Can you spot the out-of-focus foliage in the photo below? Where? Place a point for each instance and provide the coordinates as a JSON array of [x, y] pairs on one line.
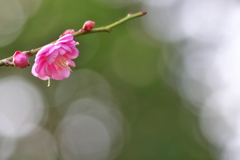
[[117, 103]]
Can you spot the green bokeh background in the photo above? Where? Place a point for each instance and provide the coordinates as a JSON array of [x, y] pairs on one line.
[[160, 126]]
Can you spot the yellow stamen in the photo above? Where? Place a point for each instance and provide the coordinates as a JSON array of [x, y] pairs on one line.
[[49, 82]]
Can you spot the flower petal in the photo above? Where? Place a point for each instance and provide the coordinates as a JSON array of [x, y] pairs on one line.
[[68, 49], [43, 51], [62, 51], [34, 69], [64, 72], [71, 63], [47, 70], [74, 53], [64, 39], [59, 73], [52, 57], [38, 71]]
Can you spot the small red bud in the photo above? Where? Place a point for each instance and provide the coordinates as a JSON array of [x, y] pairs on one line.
[[144, 13], [20, 59], [68, 31], [81, 31], [88, 25]]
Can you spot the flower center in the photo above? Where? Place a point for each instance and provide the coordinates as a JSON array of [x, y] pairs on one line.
[[61, 62]]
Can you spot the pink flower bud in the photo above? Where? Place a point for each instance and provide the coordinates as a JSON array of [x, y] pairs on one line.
[[68, 31], [20, 59], [88, 25]]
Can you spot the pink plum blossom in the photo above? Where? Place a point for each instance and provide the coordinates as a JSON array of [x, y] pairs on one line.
[[53, 60], [20, 59], [88, 25]]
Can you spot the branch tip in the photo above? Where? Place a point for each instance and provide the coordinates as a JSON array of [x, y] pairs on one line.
[[144, 13]]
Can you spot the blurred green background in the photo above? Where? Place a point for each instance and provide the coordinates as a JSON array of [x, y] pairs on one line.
[[131, 109]]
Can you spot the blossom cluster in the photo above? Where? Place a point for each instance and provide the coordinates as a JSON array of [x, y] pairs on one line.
[[53, 61]]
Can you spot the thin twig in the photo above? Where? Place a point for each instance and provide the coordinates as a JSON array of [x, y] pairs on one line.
[[8, 61]]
